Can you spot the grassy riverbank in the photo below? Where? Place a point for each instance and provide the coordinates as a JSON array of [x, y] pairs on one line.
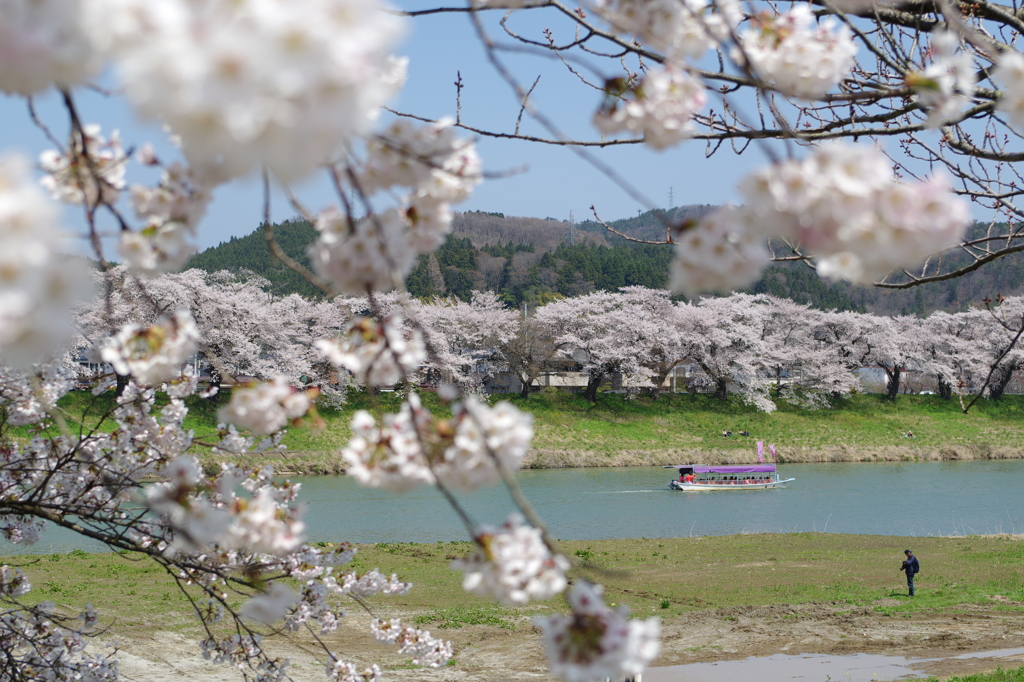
[[615, 431], [717, 597], [667, 577]]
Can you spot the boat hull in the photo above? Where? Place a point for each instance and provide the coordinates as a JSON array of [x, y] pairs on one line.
[[715, 487]]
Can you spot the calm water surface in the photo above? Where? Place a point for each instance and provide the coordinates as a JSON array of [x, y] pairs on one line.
[[913, 499], [910, 499]]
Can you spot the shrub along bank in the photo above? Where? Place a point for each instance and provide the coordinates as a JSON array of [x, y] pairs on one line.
[[617, 431]]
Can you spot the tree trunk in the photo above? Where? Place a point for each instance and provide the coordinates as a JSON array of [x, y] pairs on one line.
[[524, 392], [1000, 380], [659, 380], [122, 383], [894, 381], [593, 382], [945, 389], [722, 389]]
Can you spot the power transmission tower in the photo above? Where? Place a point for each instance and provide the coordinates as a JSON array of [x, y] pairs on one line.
[[570, 236], [671, 199]]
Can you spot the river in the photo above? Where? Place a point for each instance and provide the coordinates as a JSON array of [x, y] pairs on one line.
[[911, 499]]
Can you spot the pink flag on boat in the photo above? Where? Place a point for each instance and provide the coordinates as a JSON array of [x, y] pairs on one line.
[[760, 451], [772, 448]]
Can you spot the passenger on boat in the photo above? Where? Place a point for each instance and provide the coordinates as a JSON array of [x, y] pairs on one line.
[[689, 478]]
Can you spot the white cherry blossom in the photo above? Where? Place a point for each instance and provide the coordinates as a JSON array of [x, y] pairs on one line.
[[349, 672], [412, 447], [44, 44], [717, 254], [155, 354], [171, 211], [842, 206], [946, 86], [38, 285], [265, 407], [90, 172], [660, 107], [271, 605], [513, 565], [387, 455], [795, 55], [678, 28], [487, 440], [281, 83], [1009, 73], [375, 254], [372, 583], [596, 642], [429, 158], [376, 354]]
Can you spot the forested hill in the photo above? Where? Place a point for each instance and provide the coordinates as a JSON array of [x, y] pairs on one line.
[[531, 260]]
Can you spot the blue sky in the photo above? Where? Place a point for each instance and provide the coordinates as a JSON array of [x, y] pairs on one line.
[[542, 181]]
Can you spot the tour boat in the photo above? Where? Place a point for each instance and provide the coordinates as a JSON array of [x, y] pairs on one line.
[[731, 477]]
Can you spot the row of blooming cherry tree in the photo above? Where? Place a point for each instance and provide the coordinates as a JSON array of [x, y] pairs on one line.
[[289, 89], [765, 347], [762, 347]]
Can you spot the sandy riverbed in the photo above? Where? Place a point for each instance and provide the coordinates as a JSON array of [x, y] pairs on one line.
[[491, 653]]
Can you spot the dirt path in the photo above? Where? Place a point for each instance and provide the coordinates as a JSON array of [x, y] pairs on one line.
[[490, 653]]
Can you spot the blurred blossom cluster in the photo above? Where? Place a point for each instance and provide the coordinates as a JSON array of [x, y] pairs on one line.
[[171, 211], [376, 354], [92, 171], [513, 565], [38, 285], [679, 29], [946, 86], [413, 447], [841, 205], [796, 54], [45, 45], [425, 650], [1009, 72], [275, 83], [597, 642], [152, 355], [265, 407], [660, 107], [375, 253]]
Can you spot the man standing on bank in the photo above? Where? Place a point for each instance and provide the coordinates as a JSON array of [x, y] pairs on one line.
[[912, 568]]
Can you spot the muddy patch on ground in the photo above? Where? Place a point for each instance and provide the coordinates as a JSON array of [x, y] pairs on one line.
[[492, 653]]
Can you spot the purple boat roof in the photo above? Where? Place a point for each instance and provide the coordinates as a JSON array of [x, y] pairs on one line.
[[726, 469]]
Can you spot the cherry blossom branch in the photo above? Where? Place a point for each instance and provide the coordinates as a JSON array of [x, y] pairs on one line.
[[279, 254]]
